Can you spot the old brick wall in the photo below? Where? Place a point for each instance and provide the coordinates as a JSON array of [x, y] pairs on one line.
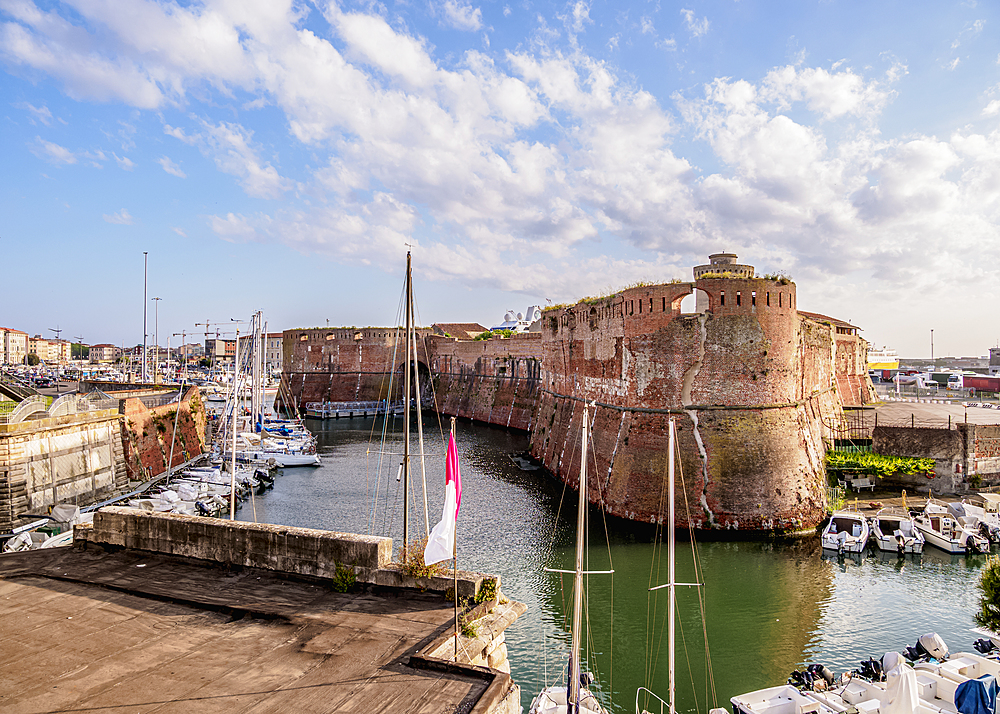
[[983, 447], [148, 433], [494, 380], [751, 443], [340, 364]]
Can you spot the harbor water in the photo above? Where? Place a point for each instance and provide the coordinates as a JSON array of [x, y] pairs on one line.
[[770, 607]]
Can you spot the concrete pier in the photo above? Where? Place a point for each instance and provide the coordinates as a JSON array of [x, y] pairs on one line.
[[179, 614]]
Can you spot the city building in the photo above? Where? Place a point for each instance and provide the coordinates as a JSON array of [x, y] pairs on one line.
[[273, 351], [104, 353], [15, 345], [220, 350]]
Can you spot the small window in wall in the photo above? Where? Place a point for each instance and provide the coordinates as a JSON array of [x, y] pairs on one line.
[[303, 337], [738, 298], [650, 304], [329, 336], [780, 300], [753, 298], [664, 304], [640, 307], [722, 297], [767, 299]]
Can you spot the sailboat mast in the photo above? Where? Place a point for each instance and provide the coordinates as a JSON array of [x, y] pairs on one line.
[[406, 414], [420, 430], [671, 565], [573, 686], [236, 397]]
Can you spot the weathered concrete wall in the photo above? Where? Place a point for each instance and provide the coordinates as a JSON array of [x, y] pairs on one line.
[[75, 458], [983, 449], [945, 446], [302, 551], [149, 431]]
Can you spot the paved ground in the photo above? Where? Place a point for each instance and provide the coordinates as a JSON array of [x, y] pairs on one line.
[[900, 412], [131, 632]]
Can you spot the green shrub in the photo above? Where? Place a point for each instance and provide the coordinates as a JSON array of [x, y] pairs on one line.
[[989, 601], [413, 564], [877, 464], [343, 579], [487, 591]]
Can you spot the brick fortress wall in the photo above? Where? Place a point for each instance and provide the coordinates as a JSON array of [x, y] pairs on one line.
[[753, 385]]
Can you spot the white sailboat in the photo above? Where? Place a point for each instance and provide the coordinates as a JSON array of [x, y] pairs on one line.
[[669, 706], [574, 698]]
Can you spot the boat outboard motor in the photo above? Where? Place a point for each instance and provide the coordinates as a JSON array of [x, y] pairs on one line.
[[929, 646], [820, 671], [871, 669], [986, 648], [202, 508]]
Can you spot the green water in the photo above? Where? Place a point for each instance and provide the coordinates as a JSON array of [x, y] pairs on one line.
[[770, 607]]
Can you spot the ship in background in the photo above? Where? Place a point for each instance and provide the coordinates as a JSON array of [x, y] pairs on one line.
[[882, 358]]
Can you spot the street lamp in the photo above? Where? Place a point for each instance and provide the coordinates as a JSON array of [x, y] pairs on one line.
[[156, 338], [145, 263]]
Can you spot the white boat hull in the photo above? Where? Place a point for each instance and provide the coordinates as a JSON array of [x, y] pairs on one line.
[[847, 532]]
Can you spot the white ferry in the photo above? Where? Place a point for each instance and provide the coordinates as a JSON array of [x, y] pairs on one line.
[[883, 358]]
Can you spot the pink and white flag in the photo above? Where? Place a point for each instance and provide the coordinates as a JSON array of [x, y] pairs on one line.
[[441, 543]]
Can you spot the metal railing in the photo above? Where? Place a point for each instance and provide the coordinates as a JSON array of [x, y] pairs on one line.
[[27, 407]]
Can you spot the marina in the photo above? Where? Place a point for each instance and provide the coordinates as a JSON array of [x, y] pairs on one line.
[[773, 605]]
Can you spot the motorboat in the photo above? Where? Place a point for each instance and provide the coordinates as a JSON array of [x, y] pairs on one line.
[[893, 530], [847, 532], [981, 516], [943, 531]]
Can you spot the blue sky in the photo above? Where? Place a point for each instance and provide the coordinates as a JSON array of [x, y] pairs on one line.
[[280, 156]]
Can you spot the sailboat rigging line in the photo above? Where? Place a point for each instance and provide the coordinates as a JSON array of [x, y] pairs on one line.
[[699, 576], [373, 514], [437, 411], [420, 421], [607, 541]]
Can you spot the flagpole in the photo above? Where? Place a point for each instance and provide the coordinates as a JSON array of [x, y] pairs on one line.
[[455, 554]]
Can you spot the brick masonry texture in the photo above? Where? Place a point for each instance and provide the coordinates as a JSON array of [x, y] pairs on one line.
[[752, 384]]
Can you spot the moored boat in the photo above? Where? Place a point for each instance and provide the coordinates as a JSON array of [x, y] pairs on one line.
[[847, 532], [943, 531], [893, 530]]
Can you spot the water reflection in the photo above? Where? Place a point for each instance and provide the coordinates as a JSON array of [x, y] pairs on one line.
[[771, 606]]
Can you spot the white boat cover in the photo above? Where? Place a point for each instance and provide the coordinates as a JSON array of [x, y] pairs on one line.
[[552, 700], [901, 695]]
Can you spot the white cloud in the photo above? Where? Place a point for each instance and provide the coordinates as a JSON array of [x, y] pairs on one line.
[[504, 164], [460, 15], [124, 162], [180, 232], [696, 27], [232, 228], [41, 114], [51, 152], [581, 16], [121, 218], [170, 167]]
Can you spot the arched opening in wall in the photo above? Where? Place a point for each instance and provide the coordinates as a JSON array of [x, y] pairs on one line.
[[695, 303], [426, 392]]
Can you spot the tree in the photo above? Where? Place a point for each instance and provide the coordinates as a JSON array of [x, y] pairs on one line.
[[989, 601], [33, 359]]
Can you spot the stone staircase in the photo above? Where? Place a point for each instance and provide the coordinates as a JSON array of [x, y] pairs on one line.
[[13, 388]]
